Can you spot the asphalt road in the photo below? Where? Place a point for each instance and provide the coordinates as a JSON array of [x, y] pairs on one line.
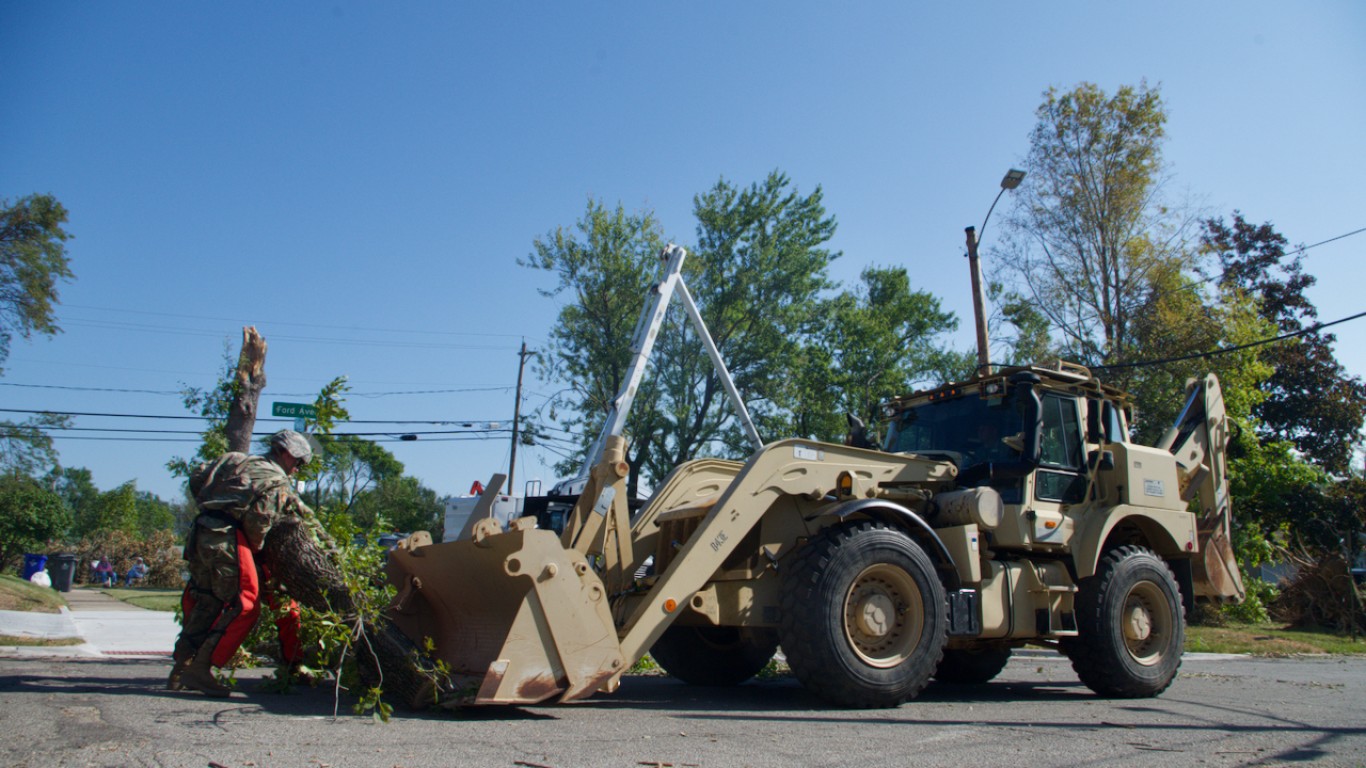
[[1220, 712]]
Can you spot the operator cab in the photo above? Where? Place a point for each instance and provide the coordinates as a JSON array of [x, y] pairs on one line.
[[1026, 432]]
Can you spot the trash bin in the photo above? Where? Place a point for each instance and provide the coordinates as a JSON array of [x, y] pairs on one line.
[[33, 564], [62, 569]]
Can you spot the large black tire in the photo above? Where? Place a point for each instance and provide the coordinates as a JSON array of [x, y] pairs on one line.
[[971, 666], [1130, 626], [715, 656], [864, 616]]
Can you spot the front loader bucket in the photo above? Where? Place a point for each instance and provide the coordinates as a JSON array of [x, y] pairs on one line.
[[517, 617]]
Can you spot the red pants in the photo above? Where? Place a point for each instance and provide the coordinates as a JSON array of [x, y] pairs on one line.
[[252, 589]]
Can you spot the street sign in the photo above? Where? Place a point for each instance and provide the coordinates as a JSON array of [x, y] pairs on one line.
[[294, 410]]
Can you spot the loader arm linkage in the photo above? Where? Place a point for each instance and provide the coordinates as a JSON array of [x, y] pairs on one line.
[[520, 616]]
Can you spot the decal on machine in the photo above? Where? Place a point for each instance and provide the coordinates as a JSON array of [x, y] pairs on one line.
[[808, 454], [605, 500], [1153, 488]]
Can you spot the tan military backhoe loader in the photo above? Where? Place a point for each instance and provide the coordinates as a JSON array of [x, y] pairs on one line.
[[1004, 510]]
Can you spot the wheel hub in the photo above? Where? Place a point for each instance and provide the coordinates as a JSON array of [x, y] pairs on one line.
[[883, 615], [1138, 625], [876, 615], [1147, 628]]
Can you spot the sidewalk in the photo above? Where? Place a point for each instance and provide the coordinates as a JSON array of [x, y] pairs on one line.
[[109, 627]]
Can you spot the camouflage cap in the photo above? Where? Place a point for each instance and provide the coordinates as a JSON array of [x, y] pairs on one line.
[[291, 442]]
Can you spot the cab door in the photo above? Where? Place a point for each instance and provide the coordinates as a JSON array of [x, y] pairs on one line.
[[1060, 481]]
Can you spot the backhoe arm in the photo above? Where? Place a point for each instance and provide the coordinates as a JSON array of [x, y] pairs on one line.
[[1199, 441]]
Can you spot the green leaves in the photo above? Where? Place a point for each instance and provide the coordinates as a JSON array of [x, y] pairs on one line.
[[1089, 229], [25, 446], [799, 354], [30, 515], [32, 262], [871, 344], [1309, 398]]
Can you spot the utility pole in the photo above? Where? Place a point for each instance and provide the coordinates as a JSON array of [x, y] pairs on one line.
[[979, 302], [516, 419]]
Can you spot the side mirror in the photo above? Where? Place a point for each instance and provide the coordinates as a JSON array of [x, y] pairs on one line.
[[858, 435]]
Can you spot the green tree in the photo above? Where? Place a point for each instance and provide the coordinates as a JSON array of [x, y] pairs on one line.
[[26, 447], [403, 503], [1310, 399], [32, 262], [758, 272], [77, 489], [1020, 333], [872, 344], [1179, 321], [1089, 229], [116, 510], [30, 515], [602, 267], [349, 467], [153, 514]]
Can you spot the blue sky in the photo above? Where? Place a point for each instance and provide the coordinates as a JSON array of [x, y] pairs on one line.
[[359, 181]]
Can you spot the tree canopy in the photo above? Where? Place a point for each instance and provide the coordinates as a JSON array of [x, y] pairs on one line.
[[32, 262], [1090, 232], [869, 344], [1310, 400], [757, 271], [30, 515], [602, 269], [801, 352]]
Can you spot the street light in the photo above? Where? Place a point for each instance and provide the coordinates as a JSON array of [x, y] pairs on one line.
[[1011, 180]]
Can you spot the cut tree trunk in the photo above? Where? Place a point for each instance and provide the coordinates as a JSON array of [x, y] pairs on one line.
[[251, 379], [385, 657]]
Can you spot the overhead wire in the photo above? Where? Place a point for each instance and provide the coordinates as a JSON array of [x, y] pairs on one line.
[[1197, 285], [181, 393], [203, 418], [1228, 350]]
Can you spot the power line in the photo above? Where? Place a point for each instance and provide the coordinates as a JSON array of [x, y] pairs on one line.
[[1291, 252], [1227, 350], [288, 421], [1197, 285], [499, 430], [93, 389], [192, 440], [180, 393]]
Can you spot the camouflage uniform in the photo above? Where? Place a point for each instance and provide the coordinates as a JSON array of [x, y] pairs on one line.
[[240, 497]]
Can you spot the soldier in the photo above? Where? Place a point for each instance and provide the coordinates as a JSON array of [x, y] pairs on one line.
[[239, 497]]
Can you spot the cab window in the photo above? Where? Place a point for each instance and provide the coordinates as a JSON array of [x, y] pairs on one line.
[[1060, 477]]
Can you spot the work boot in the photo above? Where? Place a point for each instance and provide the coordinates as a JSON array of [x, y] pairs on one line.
[[198, 675], [181, 663]]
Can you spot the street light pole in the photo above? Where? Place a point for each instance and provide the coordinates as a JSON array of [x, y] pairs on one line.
[[979, 303], [1011, 180]]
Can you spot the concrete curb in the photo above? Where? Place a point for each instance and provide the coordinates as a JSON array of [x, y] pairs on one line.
[[52, 626]]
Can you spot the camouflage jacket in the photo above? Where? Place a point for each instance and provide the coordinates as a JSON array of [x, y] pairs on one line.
[[252, 491]]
